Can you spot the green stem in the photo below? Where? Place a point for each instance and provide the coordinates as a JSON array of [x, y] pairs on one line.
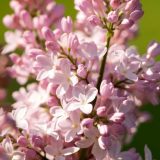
[[103, 64], [102, 68]]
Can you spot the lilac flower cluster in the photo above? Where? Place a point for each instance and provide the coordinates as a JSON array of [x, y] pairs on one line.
[[87, 84]]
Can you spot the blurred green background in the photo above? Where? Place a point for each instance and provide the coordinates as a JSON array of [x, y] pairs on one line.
[[149, 30]]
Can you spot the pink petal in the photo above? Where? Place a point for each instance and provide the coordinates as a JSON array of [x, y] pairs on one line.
[[84, 143], [73, 106], [131, 76], [61, 90], [69, 136], [91, 94], [148, 154], [44, 61], [86, 108], [43, 74], [98, 153], [70, 150]]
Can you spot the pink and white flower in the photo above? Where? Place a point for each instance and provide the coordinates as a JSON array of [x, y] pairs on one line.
[[83, 95]]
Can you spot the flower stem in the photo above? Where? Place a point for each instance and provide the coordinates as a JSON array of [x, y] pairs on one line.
[[103, 64], [102, 68]]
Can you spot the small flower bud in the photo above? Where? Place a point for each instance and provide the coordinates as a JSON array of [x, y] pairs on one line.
[[48, 34], [117, 117], [66, 24], [73, 42], [153, 49], [112, 17], [115, 3], [8, 21], [87, 122], [131, 5], [136, 15], [101, 111], [26, 19], [94, 20], [52, 46], [16, 6], [106, 89], [50, 6], [126, 23]]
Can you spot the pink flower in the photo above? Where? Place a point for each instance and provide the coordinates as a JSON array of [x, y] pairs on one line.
[[13, 40], [89, 82], [58, 152], [69, 42], [125, 63], [127, 72], [29, 118], [8, 147], [71, 126], [64, 78], [46, 65], [33, 96], [83, 95]]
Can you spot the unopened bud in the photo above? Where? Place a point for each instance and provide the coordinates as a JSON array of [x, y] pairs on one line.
[[101, 111], [112, 17], [87, 122], [153, 50], [66, 24], [136, 15], [126, 23], [94, 20], [117, 117], [115, 3]]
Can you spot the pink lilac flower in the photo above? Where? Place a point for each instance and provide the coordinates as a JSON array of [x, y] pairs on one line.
[[56, 150], [84, 95], [82, 82]]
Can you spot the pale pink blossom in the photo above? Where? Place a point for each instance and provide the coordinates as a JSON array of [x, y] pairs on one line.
[[58, 152], [46, 65], [83, 95], [8, 147], [90, 84], [13, 40], [71, 126]]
